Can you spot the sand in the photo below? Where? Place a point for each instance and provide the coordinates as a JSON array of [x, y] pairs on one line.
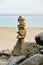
[[8, 36]]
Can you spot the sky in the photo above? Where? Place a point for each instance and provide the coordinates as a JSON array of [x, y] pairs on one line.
[[21, 6], [31, 10]]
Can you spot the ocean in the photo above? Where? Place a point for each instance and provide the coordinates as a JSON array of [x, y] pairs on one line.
[[11, 20]]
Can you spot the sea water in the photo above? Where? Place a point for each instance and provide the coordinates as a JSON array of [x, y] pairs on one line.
[[11, 20]]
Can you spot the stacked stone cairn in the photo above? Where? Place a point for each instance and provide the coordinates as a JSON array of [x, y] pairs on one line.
[[20, 47]]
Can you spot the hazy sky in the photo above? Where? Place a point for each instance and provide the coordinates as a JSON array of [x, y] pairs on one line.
[[24, 7], [21, 6]]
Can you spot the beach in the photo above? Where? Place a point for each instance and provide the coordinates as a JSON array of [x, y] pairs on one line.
[[8, 36]]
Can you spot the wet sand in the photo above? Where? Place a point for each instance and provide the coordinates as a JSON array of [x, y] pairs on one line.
[[8, 36]]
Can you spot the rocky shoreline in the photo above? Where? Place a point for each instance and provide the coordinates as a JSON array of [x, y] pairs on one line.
[[32, 51]]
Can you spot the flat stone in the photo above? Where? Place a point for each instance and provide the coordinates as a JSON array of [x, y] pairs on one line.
[[3, 61], [34, 60], [41, 51], [5, 53], [14, 59]]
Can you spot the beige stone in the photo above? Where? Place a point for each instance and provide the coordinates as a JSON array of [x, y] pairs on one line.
[[20, 48]]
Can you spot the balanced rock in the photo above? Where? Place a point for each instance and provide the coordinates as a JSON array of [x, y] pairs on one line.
[[20, 47]]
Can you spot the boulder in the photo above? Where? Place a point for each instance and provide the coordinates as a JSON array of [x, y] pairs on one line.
[[34, 60], [39, 39]]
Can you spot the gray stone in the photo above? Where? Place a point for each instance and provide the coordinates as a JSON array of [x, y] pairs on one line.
[[14, 59], [5, 53], [41, 51], [3, 61], [34, 60]]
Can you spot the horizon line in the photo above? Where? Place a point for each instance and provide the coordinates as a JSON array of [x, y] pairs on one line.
[[21, 14]]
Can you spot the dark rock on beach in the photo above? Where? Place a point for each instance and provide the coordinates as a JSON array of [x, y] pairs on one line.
[[39, 39]]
